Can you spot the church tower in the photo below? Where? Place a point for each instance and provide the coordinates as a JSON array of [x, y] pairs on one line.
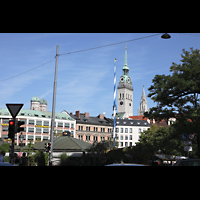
[[143, 104], [125, 92]]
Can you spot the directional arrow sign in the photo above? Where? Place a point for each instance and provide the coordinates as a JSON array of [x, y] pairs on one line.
[[14, 108]]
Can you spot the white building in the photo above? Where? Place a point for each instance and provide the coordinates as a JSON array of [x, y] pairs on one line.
[[128, 131], [37, 122]]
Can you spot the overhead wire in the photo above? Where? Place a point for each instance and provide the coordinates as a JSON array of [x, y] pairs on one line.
[[93, 48], [108, 45], [27, 71]]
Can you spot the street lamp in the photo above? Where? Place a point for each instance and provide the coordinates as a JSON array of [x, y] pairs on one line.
[[166, 36], [21, 138]]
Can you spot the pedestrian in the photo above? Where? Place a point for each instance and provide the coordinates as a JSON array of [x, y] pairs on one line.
[[2, 156], [24, 160]]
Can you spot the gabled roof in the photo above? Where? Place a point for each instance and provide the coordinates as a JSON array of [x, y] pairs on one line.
[[65, 143], [92, 120]]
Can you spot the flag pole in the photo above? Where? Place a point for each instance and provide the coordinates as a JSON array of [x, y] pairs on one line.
[[114, 103]]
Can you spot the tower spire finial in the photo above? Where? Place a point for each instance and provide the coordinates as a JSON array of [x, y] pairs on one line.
[[125, 58]]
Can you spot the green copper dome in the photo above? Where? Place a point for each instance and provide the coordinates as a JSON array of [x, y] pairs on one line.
[[43, 101], [35, 99]]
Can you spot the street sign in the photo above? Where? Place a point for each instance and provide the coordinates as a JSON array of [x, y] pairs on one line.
[[184, 136], [187, 148], [187, 143], [20, 154], [191, 136], [14, 108]]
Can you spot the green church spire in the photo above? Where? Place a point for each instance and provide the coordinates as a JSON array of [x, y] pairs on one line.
[[125, 68]]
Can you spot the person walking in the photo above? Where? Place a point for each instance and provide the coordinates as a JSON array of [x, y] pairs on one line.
[[2, 156]]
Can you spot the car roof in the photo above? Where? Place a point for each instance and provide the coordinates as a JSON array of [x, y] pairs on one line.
[[5, 164], [125, 164]]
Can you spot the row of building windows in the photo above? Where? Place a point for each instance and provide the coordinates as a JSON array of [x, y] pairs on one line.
[[126, 144], [121, 96], [125, 130], [95, 129], [95, 138], [39, 122]]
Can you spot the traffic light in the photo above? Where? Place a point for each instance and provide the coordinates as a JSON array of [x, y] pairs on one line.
[[18, 124], [47, 146], [11, 129]]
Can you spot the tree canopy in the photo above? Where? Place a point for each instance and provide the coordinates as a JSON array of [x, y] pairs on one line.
[[177, 94]]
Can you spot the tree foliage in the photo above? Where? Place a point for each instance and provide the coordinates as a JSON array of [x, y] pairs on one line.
[[177, 94]]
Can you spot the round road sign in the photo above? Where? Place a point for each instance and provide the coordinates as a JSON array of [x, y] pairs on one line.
[[191, 136]]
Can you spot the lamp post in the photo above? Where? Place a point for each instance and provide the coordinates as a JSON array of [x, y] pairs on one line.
[[166, 36], [21, 138], [53, 110]]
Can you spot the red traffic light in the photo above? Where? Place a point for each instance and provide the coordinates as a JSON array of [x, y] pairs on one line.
[[11, 123]]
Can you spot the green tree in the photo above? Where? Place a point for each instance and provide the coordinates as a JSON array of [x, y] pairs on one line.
[[177, 94], [155, 140], [5, 147]]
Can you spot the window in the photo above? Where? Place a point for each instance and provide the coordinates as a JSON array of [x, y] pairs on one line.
[[102, 138], [60, 124], [139, 130], [38, 130], [4, 128], [80, 137], [38, 122], [45, 130], [31, 130], [121, 144], [126, 137], [66, 125], [117, 130], [126, 144], [72, 125], [30, 137], [95, 138], [80, 128], [130, 137], [131, 144], [130, 130], [121, 137], [87, 137], [5, 121], [46, 123], [126, 130], [122, 130], [31, 122]]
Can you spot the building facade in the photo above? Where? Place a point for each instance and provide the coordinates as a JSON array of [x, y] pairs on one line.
[[92, 129], [125, 92], [37, 124], [128, 131]]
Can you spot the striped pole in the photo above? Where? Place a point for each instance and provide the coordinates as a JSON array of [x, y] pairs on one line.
[[114, 103]]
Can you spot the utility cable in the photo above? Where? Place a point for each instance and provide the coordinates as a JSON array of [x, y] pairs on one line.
[[78, 52], [26, 71], [108, 45]]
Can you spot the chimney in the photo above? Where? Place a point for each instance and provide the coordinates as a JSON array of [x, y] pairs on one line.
[[78, 114], [86, 114], [101, 116]]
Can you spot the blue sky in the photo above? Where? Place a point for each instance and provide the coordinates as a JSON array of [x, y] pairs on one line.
[[85, 79]]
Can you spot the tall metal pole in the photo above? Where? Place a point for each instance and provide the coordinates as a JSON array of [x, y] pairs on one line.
[[53, 109], [114, 103]]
